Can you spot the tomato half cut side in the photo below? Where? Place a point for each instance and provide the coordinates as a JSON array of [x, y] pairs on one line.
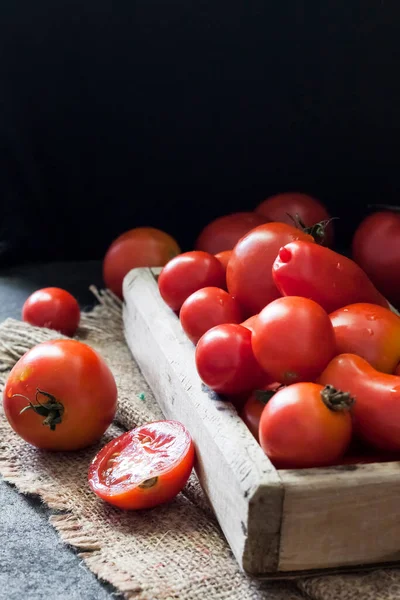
[[144, 467]]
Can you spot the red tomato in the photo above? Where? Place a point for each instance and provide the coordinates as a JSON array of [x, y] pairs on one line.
[[375, 248], [284, 208], [329, 278], [60, 395], [370, 331], [306, 425], [293, 339], [144, 467], [188, 273], [225, 232], [53, 308], [249, 272], [139, 247], [250, 322], [224, 258], [255, 404], [225, 361], [206, 308], [376, 411]]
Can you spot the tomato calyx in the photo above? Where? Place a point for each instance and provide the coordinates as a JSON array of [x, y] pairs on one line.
[[336, 400], [265, 396], [317, 231], [52, 409]]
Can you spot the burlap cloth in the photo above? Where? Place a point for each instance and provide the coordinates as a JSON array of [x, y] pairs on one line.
[[174, 551]]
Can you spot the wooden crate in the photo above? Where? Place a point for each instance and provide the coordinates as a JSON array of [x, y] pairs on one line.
[[278, 523]]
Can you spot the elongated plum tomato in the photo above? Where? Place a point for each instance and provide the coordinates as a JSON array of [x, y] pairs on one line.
[[328, 278], [139, 247], [249, 271], [207, 308], [293, 339], [53, 308], [306, 425], [224, 232], [376, 249], [370, 331], [60, 395], [144, 467], [225, 360], [188, 273], [376, 412], [284, 208]]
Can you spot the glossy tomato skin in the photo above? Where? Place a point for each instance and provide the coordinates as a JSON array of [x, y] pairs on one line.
[[250, 323], [297, 430], [376, 412], [162, 456], [53, 308], [225, 360], [207, 308], [282, 207], [328, 278], [188, 273], [249, 271], [375, 248], [370, 331], [139, 247], [224, 232], [78, 378], [293, 339], [224, 258], [254, 406]]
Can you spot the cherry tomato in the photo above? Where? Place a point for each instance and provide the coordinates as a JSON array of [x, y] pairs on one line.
[[255, 404], [293, 339], [376, 412], [329, 278], [53, 308], [225, 361], [249, 272], [370, 331], [139, 247], [188, 273], [144, 467], [306, 425], [224, 258], [375, 248], [60, 395], [284, 208], [206, 308], [250, 322], [223, 233]]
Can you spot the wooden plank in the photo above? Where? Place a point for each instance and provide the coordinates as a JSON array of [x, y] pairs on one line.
[[243, 487], [340, 516]]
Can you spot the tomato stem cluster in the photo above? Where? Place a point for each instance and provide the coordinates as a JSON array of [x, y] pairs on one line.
[[52, 410], [317, 231], [336, 400]]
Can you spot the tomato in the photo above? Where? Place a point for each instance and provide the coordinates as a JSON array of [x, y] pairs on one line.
[[285, 207], [255, 404], [306, 425], [225, 360], [375, 248], [293, 339], [224, 258], [223, 233], [144, 467], [249, 272], [329, 278], [60, 395], [250, 322], [139, 247], [376, 411], [370, 331], [54, 308], [188, 273], [206, 308]]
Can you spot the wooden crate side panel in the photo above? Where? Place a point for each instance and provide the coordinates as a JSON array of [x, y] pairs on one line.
[[340, 517], [242, 485]]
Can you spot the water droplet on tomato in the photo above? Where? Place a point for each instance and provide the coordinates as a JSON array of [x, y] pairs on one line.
[[339, 266], [370, 332], [285, 254], [345, 310], [371, 317]]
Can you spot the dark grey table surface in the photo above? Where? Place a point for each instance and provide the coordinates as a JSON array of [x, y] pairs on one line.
[[34, 563]]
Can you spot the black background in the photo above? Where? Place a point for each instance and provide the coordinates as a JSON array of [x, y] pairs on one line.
[[170, 113]]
